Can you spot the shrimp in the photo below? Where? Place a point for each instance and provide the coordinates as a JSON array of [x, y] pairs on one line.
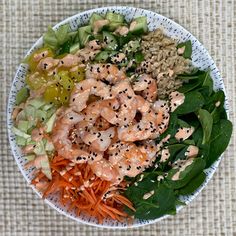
[[124, 92], [105, 170], [69, 61], [60, 134], [98, 140], [47, 64], [107, 72], [162, 110], [82, 91], [147, 86], [143, 129], [102, 124], [94, 109]]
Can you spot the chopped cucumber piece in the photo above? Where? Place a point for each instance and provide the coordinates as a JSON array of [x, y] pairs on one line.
[[20, 141], [74, 48], [114, 25], [49, 146], [23, 125], [110, 41], [139, 25], [50, 122], [102, 56], [30, 157], [114, 17], [40, 149], [94, 17], [22, 95], [30, 141], [46, 107], [84, 34], [37, 102], [19, 133], [41, 115], [46, 167]]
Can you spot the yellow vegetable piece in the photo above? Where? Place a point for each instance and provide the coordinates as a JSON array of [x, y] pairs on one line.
[[36, 56], [51, 93], [78, 75], [35, 81]]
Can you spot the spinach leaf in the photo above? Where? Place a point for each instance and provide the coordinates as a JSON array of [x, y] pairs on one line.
[[187, 87], [207, 82], [188, 49], [192, 102], [161, 202], [181, 154], [198, 136], [220, 137], [172, 128], [174, 149], [193, 185], [183, 123], [206, 121], [186, 174]]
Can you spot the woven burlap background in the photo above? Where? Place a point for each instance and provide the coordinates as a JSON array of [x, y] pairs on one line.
[[21, 23]]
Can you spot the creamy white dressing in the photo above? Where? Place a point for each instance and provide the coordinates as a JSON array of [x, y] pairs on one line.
[[165, 154], [182, 168], [148, 195], [176, 99], [192, 151], [181, 50], [217, 104], [183, 133]]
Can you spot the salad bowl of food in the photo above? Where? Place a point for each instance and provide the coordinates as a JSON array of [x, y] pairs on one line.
[[117, 117]]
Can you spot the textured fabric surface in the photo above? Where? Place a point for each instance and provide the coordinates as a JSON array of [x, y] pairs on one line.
[[21, 212]]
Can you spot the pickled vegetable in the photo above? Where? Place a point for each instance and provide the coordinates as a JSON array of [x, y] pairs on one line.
[[78, 75]]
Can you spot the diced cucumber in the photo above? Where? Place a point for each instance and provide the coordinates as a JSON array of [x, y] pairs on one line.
[[50, 122], [139, 25], [102, 56], [46, 168], [37, 102], [41, 115], [23, 125], [40, 149], [114, 17], [20, 141], [49, 146], [47, 107], [18, 132], [30, 141], [30, 157], [110, 41], [84, 34], [50, 112], [98, 37], [114, 25], [94, 17], [74, 48], [22, 95]]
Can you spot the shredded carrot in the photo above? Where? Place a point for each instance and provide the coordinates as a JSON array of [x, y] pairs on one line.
[[69, 181]]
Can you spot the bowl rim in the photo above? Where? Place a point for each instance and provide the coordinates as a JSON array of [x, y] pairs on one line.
[[48, 202]]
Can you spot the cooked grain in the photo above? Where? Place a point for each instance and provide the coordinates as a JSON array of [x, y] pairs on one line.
[[163, 61]]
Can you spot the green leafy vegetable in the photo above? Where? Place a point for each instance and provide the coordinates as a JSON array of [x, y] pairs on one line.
[[220, 137], [206, 121], [193, 185], [192, 102], [177, 178], [187, 49]]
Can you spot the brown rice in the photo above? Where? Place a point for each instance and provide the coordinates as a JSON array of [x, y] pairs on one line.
[[161, 59]]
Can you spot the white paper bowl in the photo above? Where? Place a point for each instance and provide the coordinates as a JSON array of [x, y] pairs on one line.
[[200, 59]]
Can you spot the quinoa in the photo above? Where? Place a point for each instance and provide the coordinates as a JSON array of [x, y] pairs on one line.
[[162, 61]]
